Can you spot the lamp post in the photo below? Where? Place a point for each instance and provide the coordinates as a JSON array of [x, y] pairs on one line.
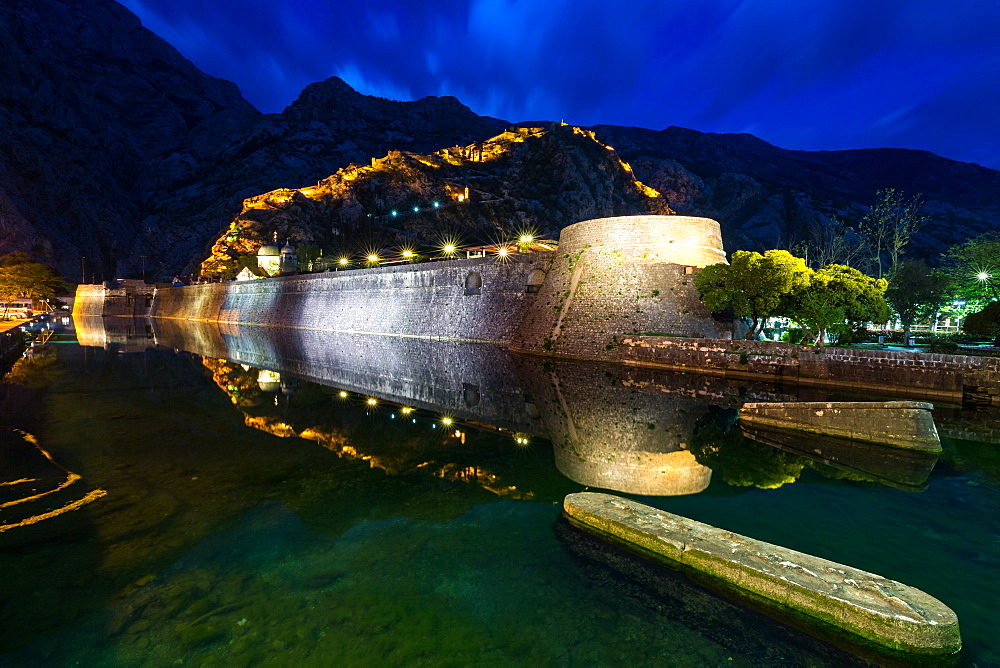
[[985, 277]]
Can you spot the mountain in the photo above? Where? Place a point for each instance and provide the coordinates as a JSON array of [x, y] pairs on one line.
[[533, 180], [122, 158]]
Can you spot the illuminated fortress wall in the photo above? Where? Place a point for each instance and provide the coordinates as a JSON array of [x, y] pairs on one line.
[[479, 299], [610, 278], [624, 276]]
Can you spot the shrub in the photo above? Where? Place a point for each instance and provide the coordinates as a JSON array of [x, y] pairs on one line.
[[793, 335]]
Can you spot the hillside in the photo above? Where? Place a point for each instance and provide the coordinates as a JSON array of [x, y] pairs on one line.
[[536, 180], [121, 158]]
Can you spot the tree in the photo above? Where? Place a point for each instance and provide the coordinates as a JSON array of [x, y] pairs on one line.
[[888, 226], [974, 267], [829, 241], [753, 285], [916, 291], [834, 295], [986, 323], [23, 278]]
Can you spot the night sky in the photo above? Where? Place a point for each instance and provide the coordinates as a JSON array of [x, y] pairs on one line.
[[800, 74]]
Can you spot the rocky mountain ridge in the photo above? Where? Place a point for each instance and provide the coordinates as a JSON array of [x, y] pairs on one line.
[[122, 158]]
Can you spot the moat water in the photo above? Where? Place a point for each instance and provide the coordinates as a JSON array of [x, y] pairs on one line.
[[244, 515]]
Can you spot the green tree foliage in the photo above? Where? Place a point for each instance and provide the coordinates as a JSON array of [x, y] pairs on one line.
[[916, 291], [888, 227], [974, 267], [986, 323], [23, 278], [753, 285], [834, 295]]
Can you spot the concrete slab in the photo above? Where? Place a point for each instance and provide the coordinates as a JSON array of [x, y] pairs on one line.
[[874, 608], [899, 424]]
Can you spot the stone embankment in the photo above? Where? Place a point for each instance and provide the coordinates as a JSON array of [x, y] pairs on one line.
[[899, 424], [930, 376], [878, 610]]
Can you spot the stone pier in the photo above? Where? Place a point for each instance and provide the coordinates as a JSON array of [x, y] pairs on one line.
[[881, 611]]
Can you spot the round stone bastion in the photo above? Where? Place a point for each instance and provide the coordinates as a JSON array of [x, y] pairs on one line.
[[684, 240], [620, 277]]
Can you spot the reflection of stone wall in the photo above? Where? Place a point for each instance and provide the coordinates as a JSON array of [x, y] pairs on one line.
[[477, 382], [611, 436], [428, 300], [125, 334]]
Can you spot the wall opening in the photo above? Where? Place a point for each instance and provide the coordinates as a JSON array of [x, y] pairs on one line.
[[473, 283], [472, 396], [535, 280], [689, 270]]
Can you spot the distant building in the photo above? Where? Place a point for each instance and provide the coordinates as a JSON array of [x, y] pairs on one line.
[[275, 260], [250, 274]]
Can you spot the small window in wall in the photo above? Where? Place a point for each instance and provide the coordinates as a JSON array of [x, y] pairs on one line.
[[535, 280], [689, 270], [473, 283], [471, 392]]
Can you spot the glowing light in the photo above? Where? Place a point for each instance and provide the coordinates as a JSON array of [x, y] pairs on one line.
[[343, 262], [447, 421], [416, 208], [342, 394], [371, 401], [405, 410], [372, 258], [407, 253], [503, 252], [461, 198], [395, 213], [437, 204], [983, 276], [449, 248], [526, 238]]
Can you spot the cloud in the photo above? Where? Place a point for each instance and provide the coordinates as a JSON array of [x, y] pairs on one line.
[[805, 75]]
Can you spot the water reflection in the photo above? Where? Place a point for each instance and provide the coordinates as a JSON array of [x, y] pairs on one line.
[[611, 426]]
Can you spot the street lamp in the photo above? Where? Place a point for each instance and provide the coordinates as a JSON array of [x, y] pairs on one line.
[[984, 278]]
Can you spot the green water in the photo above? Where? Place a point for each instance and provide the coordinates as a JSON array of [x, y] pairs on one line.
[[383, 541]]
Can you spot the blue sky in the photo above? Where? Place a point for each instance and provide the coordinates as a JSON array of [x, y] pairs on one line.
[[800, 74]]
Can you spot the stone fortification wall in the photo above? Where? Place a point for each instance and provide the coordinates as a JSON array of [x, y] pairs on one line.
[[129, 298], [480, 299], [623, 276], [932, 376]]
